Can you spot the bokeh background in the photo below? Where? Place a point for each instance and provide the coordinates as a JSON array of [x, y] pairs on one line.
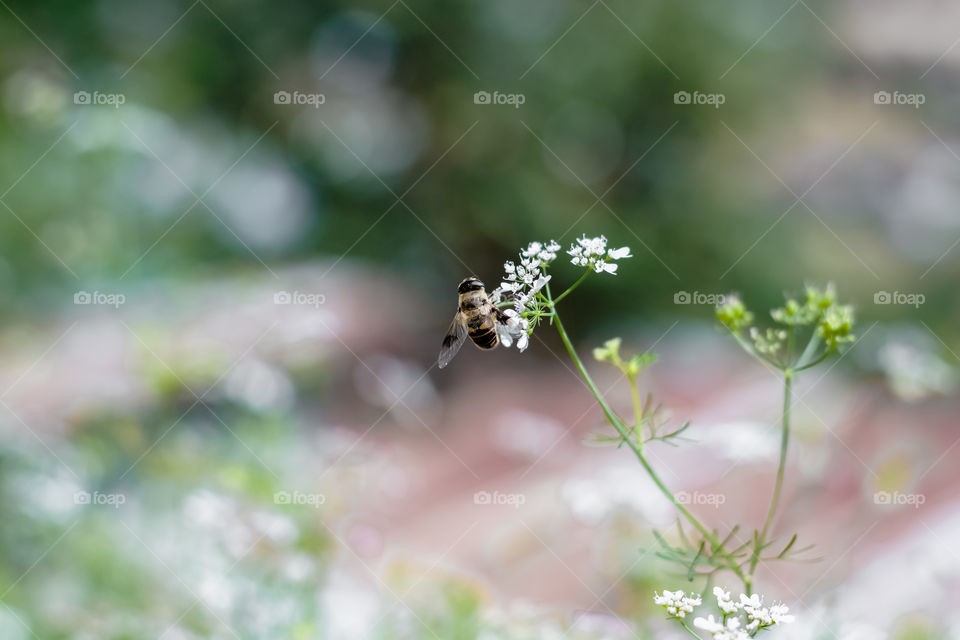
[[231, 234]]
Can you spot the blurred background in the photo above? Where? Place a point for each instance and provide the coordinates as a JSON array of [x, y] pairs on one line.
[[231, 235]]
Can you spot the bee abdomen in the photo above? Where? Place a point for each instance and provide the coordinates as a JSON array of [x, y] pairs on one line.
[[484, 337]]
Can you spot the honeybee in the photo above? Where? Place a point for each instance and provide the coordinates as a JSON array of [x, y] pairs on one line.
[[476, 317]]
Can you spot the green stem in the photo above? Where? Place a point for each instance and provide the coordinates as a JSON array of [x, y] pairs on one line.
[[778, 484], [815, 362], [689, 630], [637, 410], [791, 333], [753, 352], [572, 287], [622, 430], [809, 351]]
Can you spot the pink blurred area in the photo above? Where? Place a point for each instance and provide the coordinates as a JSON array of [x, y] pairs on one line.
[[481, 471]]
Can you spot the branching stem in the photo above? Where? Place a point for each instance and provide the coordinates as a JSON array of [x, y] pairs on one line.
[[622, 429]]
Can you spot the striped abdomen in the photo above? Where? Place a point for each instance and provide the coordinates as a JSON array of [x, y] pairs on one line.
[[483, 331]]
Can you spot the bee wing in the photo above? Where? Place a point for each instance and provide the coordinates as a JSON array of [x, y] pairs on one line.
[[456, 336]]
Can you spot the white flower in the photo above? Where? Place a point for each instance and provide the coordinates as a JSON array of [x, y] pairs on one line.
[[759, 617], [593, 253], [753, 602], [780, 615], [522, 281], [724, 602], [718, 631], [741, 620], [617, 254], [708, 624], [515, 328], [677, 604]]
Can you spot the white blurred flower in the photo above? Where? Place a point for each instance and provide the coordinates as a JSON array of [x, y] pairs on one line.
[[593, 253], [677, 603], [780, 614], [740, 620], [724, 602], [730, 631]]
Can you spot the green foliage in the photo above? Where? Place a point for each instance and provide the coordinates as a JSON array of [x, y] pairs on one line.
[[816, 322]]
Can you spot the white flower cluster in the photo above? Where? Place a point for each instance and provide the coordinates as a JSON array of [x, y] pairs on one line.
[[524, 279], [720, 631], [520, 285], [593, 253], [735, 626], [677, 603]]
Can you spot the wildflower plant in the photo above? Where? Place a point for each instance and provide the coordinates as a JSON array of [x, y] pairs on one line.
[[805, 332], [736, 619]]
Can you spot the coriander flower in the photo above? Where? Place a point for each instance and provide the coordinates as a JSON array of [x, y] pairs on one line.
[[522, 281], [516, 328], [733, 314], [593, 253], [677, 604], [720, 631], [739, 620], [760, 617], [836, 325], [726, 605], [768, 342], [780, 614]]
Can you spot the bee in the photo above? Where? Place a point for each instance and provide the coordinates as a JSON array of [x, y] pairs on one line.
[[476, 317]]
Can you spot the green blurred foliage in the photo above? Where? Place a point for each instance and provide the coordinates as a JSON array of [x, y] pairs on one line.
[[399, 81]]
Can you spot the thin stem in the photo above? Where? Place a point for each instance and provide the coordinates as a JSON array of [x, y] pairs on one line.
[[689, 630], [637, 410], [778, 484], [753, 352], [622, 430], [791, 337], [815, 362], [808, 351], [572, 287]]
